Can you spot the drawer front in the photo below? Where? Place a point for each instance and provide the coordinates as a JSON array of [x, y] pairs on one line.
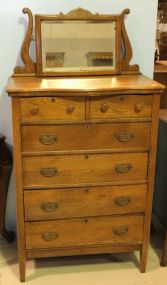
[[89, 231], [82, 202], [77, 169], [121, 106], [52, 108], [91, 136]]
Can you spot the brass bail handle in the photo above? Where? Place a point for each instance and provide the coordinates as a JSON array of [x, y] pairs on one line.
[[120, 231], [49, 207], [49, 236], [48, 172], [123, 168], [125, 137], [122, 201], [47, 139]]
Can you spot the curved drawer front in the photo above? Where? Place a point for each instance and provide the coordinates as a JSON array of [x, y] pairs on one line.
[[85, 136], [81, 202], [79, 169], [52, 108], [84, 231], [121, 106]]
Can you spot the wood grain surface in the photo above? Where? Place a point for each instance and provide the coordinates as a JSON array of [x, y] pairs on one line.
[[36, 109], [92, 86], [82, 202], [136, 106], [78, 169], [85, 137], [84, 231]]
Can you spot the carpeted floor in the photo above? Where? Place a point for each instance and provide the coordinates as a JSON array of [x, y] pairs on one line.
[[116, 269]]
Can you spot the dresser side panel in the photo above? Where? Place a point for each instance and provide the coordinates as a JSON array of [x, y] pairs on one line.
[[19, 185]]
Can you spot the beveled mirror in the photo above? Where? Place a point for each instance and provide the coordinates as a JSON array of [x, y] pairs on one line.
[[79, 43]]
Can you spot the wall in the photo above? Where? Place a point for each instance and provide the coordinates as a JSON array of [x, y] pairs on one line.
[[141, 29]]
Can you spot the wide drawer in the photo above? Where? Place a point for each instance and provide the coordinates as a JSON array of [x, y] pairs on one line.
[[84, 168], [84, 231], [82, 202], [85, 136], [121, 106], [52, 108]]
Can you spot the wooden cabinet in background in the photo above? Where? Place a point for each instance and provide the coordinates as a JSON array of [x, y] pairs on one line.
[[160, 75]]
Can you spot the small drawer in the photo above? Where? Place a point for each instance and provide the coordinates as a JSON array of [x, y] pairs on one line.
[[121, 106], [91, 136], [84, 231], [82, 202], [79, 169], [52, 108]]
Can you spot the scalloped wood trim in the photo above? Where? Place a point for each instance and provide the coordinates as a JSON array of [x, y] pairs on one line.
[[29, 64], [125, 62]]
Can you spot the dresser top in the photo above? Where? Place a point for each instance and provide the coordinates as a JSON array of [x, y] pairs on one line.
[[119, 84]]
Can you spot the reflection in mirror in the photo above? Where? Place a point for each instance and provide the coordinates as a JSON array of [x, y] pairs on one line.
[[78, 45]]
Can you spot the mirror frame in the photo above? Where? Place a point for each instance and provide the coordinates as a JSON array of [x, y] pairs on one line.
[[123, 47], [81, 15]]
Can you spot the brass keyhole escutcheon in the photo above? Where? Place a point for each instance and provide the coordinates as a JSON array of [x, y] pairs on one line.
[[87, 190], [53, 99]]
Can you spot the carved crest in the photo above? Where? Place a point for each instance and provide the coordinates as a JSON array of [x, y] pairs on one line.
[[79, 12]]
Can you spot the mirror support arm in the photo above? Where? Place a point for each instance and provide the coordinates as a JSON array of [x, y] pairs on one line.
[[30, 67]]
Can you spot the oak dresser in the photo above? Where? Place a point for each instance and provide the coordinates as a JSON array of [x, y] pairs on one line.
[[84, 154]]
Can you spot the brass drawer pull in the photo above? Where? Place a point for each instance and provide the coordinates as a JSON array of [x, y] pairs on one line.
[[34, 111], [123, 168], [47, 139], [49, 207], [138, 107], [124, 137], [104, 108], [120, 231], [48, 172], [70, 109], [49, 236], [122, 201]]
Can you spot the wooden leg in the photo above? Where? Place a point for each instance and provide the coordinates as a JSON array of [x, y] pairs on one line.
[[143, 259], [22, 268], [164, 252]]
